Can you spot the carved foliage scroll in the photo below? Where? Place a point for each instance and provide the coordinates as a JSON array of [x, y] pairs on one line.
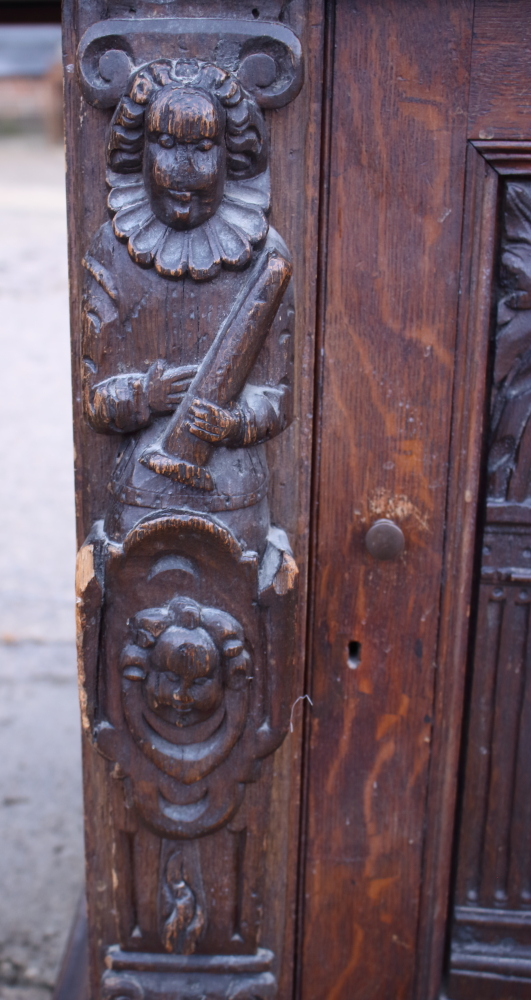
[[510, 450], [186, 590]]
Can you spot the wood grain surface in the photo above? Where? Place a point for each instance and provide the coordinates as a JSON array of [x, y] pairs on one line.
[[465, 473], [500, 88], [398, 130]]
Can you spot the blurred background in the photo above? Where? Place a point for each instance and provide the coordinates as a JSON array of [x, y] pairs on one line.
[[41, 844]]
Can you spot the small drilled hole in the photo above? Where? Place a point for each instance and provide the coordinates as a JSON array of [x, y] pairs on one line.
[[354, 654], [255, 12]]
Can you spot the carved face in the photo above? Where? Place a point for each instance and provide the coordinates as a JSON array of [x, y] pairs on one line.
[[185, 157], [184, 683]]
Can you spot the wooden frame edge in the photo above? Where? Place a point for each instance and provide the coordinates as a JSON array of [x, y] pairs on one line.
[[467, 430], [488, 161]]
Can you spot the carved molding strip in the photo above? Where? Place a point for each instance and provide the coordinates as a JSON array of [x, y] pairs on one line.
[[261, 961], [152, 986], [507, 158]]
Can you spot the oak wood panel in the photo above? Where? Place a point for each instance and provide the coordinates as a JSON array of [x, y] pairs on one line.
[[397, 172], [500, 85], [490, 953]]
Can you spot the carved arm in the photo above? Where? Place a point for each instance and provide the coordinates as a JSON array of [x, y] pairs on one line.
[[126, 403], [260, 413]]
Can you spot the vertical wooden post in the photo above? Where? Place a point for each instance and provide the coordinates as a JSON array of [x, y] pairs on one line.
[[186, 359]]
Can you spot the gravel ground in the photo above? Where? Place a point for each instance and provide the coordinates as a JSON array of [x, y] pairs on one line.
[[41, 864]]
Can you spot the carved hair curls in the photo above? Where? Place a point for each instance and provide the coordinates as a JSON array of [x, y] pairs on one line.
[[245, 136], [227, 634]]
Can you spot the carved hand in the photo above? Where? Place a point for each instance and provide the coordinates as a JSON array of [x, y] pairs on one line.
[[213, 423], [167, 386]]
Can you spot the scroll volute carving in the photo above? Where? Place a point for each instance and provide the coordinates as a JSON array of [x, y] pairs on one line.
[[187, 591]]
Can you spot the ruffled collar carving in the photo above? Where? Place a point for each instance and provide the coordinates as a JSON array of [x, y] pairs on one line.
[[225, 240]]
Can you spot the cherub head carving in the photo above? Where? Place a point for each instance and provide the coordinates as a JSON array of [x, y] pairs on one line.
[[182, 131], [185, 655]]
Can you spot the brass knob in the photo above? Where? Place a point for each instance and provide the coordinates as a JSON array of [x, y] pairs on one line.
[[385, 540]]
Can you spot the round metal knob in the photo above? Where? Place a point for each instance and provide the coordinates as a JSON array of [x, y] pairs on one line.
[[385, 540]]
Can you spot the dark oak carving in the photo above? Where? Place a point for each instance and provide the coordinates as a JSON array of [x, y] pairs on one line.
[[491, 929], [509, 454], [186, 709], [245, 978], [182, 913], [266, 57], [186, 591]]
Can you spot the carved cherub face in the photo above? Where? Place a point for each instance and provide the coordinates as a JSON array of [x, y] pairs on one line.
[[185, 157], [184, 656], [185, 675]]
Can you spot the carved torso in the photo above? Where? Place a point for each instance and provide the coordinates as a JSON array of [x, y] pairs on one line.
[[134, 317]]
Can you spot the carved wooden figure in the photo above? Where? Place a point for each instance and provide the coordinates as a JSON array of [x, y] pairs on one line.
[[186, 590]]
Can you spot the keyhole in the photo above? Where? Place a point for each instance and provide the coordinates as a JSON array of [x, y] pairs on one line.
[[354, 654], [255, 12]]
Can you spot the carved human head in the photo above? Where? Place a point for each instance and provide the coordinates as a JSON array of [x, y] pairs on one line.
[[189, 127], [184, 156], [185, 656]]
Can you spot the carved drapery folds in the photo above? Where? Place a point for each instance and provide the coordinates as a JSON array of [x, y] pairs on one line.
[[186, 590]]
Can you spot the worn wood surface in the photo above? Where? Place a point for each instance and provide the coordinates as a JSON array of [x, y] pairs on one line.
[[393, 259], [491, 929], [501, 70], [123, 857], [465, 471]]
